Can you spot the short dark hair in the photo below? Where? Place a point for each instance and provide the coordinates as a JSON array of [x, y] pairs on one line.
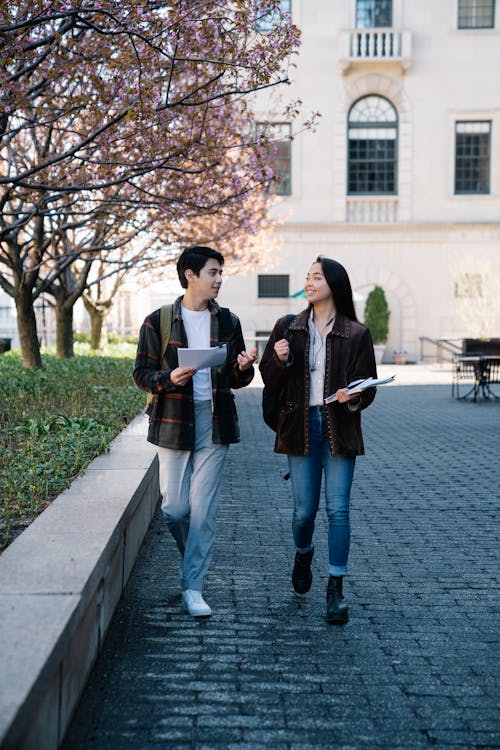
[[195, 258], [338, 280]]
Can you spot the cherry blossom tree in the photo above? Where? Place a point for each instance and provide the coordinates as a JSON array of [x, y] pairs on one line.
[[141, 106]]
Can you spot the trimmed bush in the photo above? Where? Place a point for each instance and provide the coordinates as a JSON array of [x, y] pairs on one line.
[[377, 315]]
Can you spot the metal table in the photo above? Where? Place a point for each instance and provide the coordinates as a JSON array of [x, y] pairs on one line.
[[483, 371]]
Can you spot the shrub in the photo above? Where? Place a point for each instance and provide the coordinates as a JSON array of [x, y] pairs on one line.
[[81, 338], [115, 338], [377, 315]]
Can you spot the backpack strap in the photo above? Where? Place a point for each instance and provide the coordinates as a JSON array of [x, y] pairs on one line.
[[289, 320], [226, 323], [166, 313]]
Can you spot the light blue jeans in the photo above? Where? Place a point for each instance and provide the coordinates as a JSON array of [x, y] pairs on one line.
[[189, 484], [306, 475]]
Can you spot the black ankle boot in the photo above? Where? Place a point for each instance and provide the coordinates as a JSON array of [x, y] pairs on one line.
[[336, 606], [301, 574]]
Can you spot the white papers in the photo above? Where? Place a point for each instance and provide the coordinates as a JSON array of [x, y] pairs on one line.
[[360, 385], [198, 359]]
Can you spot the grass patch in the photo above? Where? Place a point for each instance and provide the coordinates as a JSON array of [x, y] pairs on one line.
[[53, 422]]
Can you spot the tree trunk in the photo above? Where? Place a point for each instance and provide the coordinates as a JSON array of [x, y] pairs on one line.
[[64, 330], [26, 326], [98, 331]]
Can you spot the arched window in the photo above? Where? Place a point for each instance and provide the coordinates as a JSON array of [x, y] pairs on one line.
[[372, 147]]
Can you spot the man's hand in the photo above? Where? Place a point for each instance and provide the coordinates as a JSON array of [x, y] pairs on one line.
[[181, 375], [246, 359], [282, 350]]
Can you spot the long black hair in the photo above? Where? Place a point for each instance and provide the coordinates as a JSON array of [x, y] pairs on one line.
[[338, 281]]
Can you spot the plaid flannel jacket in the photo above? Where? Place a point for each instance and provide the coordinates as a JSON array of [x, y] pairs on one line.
[[171, 415]]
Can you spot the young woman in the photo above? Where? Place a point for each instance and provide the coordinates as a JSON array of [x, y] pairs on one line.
[[323, 350]]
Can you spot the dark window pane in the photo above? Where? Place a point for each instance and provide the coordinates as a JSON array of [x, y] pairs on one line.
[[373, 13], [472, 157], [273, 285], [280, 134], [372, 167], [476, 14], [282, 166]]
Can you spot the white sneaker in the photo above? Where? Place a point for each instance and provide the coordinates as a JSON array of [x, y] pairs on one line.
[[195, 604]]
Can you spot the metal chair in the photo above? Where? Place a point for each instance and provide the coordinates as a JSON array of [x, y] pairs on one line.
[[490, 375], [465, 370]]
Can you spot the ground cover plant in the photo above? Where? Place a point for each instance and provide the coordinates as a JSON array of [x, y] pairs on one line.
[[54, 421]]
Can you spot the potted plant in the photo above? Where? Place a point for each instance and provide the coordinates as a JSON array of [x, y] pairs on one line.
[[377, 319], [399, 356]]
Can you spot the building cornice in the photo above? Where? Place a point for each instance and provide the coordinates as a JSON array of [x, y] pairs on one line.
[[408, 231]]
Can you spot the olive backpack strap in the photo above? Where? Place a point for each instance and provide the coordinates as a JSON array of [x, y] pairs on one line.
[[166, 312]]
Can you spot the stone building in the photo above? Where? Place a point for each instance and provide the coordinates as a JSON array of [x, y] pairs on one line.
[[401, 180]]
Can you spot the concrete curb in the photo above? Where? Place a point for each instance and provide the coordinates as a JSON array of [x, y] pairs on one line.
[[60, 582]]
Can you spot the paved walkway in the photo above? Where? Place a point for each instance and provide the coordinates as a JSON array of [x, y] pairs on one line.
[[416, 666]]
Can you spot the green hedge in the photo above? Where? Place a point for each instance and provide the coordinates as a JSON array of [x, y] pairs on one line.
[[53, 422]]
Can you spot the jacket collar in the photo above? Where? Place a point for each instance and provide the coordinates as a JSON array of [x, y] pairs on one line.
[[341, 326]]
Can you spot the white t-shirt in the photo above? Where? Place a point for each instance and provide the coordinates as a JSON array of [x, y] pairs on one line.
[[197, 325]]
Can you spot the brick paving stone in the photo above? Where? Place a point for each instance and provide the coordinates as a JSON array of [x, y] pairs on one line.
[[415, 667]]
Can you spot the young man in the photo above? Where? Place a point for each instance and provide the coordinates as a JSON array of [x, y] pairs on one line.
[[193, 418]]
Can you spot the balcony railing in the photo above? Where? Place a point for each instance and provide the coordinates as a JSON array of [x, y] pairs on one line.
[[371, 209], [375, 45]]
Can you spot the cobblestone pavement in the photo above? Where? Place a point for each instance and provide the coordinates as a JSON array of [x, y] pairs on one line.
[[415, 667]]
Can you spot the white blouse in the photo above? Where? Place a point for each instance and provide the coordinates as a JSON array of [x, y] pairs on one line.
[[317, 360]]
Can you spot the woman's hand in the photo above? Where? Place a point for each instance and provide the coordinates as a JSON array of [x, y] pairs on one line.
[[182, 375], [246, 359], [343, 396], [282, 350]]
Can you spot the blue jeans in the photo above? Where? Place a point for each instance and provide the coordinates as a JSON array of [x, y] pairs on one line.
[[306, 475], [189, 484]]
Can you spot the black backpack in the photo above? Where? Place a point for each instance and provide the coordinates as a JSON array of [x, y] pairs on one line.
[[271, 399]]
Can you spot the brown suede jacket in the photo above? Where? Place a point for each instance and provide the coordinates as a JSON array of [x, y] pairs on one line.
[[349, 356]]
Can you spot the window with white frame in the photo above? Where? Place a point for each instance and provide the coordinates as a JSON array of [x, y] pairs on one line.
[[476, 14], [373, 14], [472, 157], [372, 147]]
